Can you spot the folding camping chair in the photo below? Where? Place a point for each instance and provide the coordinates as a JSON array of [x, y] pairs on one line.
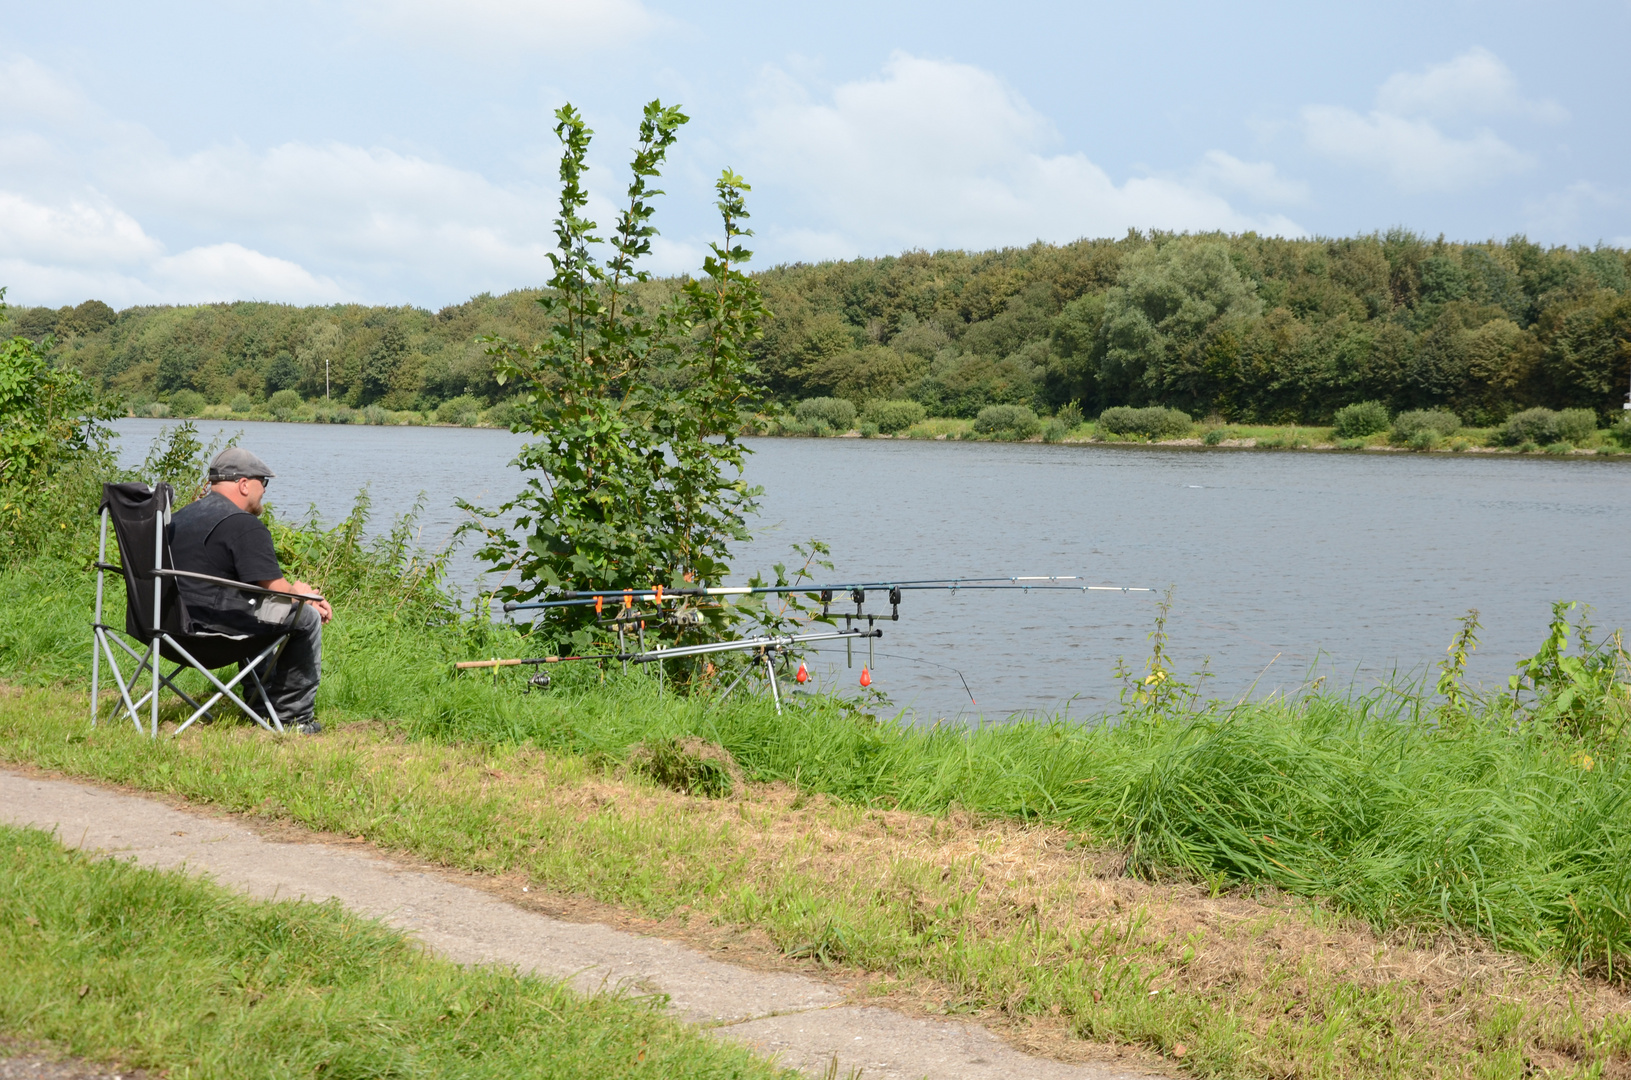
[[157, 617]]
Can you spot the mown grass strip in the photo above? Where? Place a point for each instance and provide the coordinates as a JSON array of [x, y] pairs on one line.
[[109, 960]]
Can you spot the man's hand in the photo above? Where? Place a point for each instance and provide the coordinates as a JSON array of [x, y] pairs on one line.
[[286, 586]]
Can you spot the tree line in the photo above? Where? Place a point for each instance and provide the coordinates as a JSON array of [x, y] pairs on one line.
[[1245, 327]]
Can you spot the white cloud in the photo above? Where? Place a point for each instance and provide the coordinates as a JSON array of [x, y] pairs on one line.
[[233, 272], [77, 232], [938, 154], [33, 91], [1257, 180], [1403, 138], [510, 26], [1414, 153], [1476, 83]]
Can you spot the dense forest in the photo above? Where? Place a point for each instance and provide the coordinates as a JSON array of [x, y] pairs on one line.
[[1249, 328]]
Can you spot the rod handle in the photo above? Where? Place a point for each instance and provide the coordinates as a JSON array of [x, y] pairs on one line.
[[465, 664]]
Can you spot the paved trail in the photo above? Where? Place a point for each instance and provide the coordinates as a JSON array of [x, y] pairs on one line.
[[804, 1021]]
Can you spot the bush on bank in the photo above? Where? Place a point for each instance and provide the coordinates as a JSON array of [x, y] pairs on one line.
[[1360, 420], [1154, 422], [1007, 422], [893, 417], [837, 413]]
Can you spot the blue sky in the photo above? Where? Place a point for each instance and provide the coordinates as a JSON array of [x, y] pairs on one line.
[[400, 151]]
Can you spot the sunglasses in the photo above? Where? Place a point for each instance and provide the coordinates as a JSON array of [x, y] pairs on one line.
[[266, 481]]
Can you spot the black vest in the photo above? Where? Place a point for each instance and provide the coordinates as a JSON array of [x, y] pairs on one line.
[[216, 609]]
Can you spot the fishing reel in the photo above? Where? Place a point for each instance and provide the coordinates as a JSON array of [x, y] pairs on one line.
[[684, 617], [539, 681]]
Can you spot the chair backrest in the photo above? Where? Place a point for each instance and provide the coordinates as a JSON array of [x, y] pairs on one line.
[[140, 517]]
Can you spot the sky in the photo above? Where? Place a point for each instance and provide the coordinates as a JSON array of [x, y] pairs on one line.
[[402, 151]]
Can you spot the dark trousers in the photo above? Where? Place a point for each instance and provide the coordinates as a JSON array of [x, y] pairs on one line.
[[292, 685]]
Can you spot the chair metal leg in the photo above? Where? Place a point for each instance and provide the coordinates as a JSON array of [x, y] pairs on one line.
[[158, 606], [96, 653], [225, 689], [131, 707]]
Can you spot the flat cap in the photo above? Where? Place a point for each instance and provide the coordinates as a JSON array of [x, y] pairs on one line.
[[235, 463]]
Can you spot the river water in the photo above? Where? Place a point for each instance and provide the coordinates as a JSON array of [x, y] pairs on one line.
[[1353, 566]]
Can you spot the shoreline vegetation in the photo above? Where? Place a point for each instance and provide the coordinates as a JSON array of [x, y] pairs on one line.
[[1201, 434], [1212, 433]]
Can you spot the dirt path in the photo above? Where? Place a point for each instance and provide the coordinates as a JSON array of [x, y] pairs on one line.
[[805, 1021]]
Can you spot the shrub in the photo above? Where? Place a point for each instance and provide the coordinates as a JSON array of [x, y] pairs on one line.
[[1360, 419], [500, 415], [373, 414], [186, 403], [1441, 422], [1621, 432], [1560, 449], [1576, 425], [463, 410], [1054, 430], [1007, 421], [893, 416], [1425, 438], [242, 403], [836, 413], [1154, 422], [1537, 426], [1215, 436], [869, 430], [284, 404], [1070, 415]]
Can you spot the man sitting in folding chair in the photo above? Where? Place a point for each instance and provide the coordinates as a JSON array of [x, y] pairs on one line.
[[237, 609], [222, 535]]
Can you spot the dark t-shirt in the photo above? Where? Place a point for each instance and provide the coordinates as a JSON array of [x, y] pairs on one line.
[[214, 537], [238, 549]]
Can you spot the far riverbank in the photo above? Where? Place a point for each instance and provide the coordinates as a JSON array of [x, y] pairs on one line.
[[1205, 435]]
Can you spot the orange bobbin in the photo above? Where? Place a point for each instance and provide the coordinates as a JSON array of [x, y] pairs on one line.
[[600, 602], [803, 673], [628, 599], [866, 677], [659, 596]]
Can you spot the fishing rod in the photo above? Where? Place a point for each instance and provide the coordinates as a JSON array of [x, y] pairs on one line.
[[857, 590], [649, 656], [766, 647]]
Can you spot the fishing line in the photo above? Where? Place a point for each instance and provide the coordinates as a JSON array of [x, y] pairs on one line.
[[920, 660]]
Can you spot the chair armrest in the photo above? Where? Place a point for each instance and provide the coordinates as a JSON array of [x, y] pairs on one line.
[[241, 586]]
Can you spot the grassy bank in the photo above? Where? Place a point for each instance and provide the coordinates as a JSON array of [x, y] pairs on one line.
[[966, 868], [109, 961]]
